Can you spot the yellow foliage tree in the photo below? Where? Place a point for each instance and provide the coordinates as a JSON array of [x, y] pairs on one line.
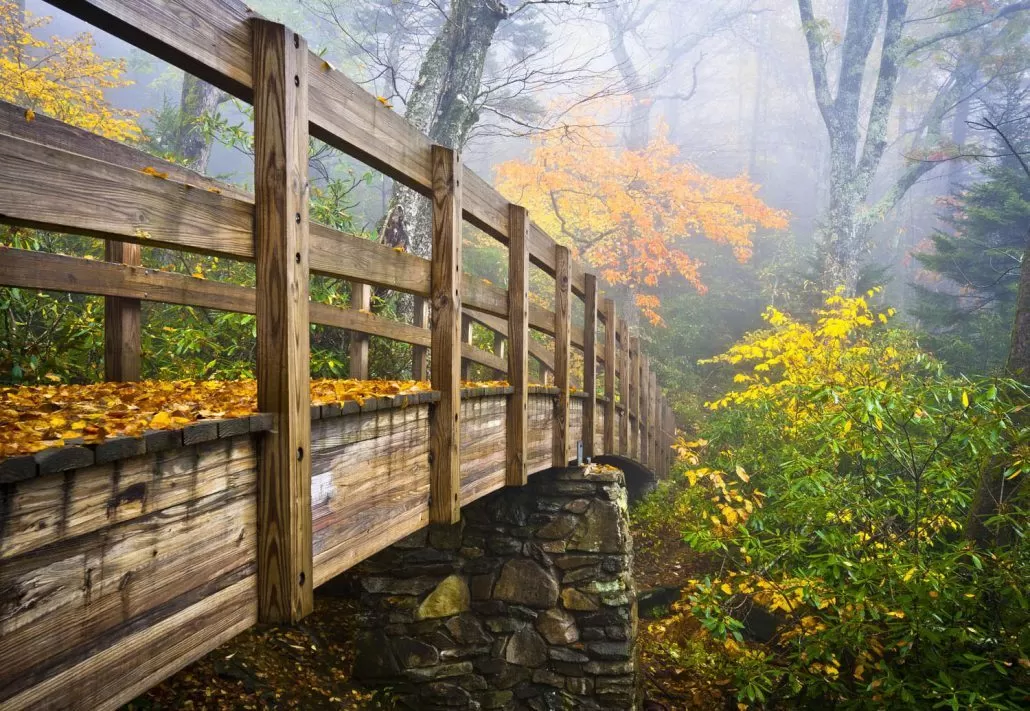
[[62, 78], [631, 214]]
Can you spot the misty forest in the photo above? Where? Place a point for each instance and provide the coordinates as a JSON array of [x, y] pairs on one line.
[[813, 216]]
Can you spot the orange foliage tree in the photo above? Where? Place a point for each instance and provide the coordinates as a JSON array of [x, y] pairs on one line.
[[632, 214]]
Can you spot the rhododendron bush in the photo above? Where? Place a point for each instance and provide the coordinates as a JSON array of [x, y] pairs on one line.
[[830, 490]]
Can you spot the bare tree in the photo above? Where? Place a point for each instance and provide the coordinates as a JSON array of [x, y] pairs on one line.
[[873, 29]]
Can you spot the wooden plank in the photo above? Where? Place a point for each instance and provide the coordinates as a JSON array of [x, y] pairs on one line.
[[518, 346], [122, 347], [654, 423], [589, 364], [562, 325], [285, 584], [360, 300], [633, 404], [444, 432], [483, 446], [500, 326], [609, 375], [420, 354]]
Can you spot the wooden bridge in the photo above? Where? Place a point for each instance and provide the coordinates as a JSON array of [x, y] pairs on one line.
[[122, 563]]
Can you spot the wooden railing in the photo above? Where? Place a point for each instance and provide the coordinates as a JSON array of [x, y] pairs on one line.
[[57, 177]]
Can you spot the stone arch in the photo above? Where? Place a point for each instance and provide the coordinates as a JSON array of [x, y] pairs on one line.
[[640, 480], [528, 603]]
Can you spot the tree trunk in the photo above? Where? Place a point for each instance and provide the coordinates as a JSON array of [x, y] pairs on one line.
[[198, 99], [638, 129], [442, 106]]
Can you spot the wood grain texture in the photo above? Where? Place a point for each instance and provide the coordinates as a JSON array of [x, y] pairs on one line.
[[483, 446], [560, 443], [610, 322], [541, 432], [420, 354], [122, 347], [360, 300], [589, 364], [500, 326], [518, 346], [654, 424], [370, 484], [444, 430], [283, 358]]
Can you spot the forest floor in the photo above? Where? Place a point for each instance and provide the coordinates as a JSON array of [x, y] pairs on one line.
[[267, 667], [663, 563]]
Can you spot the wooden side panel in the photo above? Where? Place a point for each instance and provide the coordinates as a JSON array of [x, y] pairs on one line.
[[541, 429], [444, 432], [633, 405], [644, 413], [122, 348], [483, 446], [369, 485], [283, 362], [93, 558], [577, 406], [599, 433]]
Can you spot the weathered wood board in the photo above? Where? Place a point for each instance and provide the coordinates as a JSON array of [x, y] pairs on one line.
[[95, 562]]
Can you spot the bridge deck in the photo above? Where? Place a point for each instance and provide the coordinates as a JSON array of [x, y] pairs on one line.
[[117, 575]]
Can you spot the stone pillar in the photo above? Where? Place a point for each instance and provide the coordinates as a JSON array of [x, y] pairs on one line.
[[528, 603]]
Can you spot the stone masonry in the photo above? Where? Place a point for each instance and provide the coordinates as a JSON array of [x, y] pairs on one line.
[[527, 603]]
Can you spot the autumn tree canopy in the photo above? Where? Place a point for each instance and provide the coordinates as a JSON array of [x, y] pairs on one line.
[[632, 214]]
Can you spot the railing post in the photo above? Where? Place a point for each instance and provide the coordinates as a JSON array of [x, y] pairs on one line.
[[609, 375], [518, 345], [633, 409], [360, 300], [122, 348], [624, 382], [420, 354], [445, 271], [589, 363], [281, 253], [562, 344], [643, 419], [654, 423]]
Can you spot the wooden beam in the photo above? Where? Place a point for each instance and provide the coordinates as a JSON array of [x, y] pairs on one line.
[[624, 383], [609, 375], [122, 347], [518, 346], [589, 364], [444, 429], [285, 583], [654, 422], [419, 354], [562, 346], [360, 300]]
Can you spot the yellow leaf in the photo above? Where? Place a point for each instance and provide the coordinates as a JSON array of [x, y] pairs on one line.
[[160, 420], [150, 170], [384, 101], [965, 399], [742, 474], [725, 587], [30, 115]]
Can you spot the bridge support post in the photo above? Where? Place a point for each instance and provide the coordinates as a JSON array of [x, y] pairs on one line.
[[610, 366], [562, 346], [589, 363], [445, 275], [281, 250], [624, 380]]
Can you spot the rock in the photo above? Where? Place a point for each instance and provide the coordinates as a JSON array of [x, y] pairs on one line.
[[609, 668], [450, 597], [599, 530], [496, 699], [573, 599], [448, 538], [440, 671], [526, 648], [557, 627], [577, 506], [482, 586], [609, 650], [466, 629], [560, 527], [549, 678], [373, 658], [582, 686], [395, 586], [525, 582], [561, 654], [410, 652]]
